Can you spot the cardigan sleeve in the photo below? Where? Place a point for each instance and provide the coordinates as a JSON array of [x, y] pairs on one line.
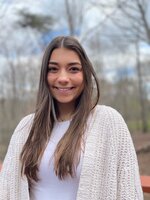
[[129, 184], [11, 166], [6, 172]]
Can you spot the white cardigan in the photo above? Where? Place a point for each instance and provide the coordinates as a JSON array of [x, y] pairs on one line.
[[109, 170]]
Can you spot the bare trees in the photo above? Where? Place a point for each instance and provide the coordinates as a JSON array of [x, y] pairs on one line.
[[137, 20], [74, 11], [36, 24], [138, 26], [108, 29], [130, 25], [15, 81]]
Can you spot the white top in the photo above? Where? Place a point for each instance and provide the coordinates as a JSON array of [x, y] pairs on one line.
[[50, 187], [109, 168]]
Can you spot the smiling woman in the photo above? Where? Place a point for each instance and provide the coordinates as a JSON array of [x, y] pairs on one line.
[[65, 80], [70, 148]]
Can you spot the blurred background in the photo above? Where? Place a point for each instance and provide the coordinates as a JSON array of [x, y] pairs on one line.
[[116, 36]]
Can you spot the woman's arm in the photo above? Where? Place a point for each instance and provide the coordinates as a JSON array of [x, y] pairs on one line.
[[10, 173], [129, 184]]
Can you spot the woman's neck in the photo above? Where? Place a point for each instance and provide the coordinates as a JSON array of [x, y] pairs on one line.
[[65, 112]]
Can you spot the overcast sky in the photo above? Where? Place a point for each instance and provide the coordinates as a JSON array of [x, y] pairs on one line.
[[8, 9]]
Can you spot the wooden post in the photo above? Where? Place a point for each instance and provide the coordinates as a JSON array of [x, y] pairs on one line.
[[145, 181]]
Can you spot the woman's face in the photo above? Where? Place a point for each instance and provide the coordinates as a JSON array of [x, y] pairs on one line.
[[65, 76]]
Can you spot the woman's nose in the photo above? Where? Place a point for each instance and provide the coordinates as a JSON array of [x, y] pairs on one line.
[[63, 77]]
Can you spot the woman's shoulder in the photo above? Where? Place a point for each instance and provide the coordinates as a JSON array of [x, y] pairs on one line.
[[25, 121], [23, 128], [107, 111], [110, 118], [108, 115]]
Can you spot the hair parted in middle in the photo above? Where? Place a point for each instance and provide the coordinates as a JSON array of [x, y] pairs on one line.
[[67, 152]]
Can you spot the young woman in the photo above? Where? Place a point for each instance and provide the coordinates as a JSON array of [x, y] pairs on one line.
[[70, 148]]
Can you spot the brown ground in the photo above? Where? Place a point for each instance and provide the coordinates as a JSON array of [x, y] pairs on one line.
[[142, 146]]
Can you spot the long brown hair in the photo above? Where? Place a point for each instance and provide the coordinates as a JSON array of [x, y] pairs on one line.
[[68, 149]]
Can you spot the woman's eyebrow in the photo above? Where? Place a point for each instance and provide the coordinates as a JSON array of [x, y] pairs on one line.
[[71, 63], [53, 62], [74, 63]]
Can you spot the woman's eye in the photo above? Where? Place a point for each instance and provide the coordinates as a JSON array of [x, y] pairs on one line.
[[74, 69], [52, 69]]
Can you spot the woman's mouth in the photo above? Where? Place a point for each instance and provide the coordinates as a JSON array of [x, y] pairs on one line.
[[63, 88]]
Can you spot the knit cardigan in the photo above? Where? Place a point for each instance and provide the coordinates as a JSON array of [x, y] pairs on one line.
[[109, 169]]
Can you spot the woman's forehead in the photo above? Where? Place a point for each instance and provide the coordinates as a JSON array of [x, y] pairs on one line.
[[60, 54]]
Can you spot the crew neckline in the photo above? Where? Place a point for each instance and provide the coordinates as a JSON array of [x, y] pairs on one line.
[[63, 122]]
